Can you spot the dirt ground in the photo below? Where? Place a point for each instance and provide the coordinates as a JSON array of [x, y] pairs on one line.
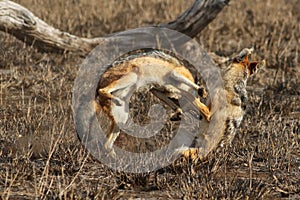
[[40, 155]]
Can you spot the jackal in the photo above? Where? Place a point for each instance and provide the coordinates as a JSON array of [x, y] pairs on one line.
[[160, 69], [229, 118]]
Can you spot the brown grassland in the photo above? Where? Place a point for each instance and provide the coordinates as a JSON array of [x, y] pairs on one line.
[[40, 155]]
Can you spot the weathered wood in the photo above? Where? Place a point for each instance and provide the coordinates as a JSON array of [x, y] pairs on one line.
[[24, 25], [197, 17]]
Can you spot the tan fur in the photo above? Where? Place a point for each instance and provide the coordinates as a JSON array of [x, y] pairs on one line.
[[110, 77], [235, 78], [138, 71], [172, 74]]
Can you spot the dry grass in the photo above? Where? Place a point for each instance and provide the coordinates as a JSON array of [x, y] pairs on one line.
[[40, 155]]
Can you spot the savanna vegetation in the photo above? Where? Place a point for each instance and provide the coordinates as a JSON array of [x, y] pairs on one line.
[[40, 155]]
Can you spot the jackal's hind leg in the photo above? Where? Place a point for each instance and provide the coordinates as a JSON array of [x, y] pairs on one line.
[[110, 142], [182, 79], [125, 81], [201, 107]]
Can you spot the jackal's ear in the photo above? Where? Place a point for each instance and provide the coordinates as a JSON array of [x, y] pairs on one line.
[[254, 66], [244, 55]]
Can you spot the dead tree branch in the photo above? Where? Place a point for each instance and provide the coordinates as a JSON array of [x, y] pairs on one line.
[[197, 17], [24, 25]]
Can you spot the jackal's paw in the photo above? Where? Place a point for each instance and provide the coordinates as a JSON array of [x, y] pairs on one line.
[[189, 153], [104, 92]]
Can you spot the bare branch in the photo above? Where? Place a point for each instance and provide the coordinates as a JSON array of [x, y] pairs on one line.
[[24, 25], [197, 17]]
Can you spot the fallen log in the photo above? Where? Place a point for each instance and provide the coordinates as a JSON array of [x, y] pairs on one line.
[[24, 25]]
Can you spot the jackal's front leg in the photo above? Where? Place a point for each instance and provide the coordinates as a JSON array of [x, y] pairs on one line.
[[204, 110], [112, 136], [161, 95], [110, 142], [197, 104]]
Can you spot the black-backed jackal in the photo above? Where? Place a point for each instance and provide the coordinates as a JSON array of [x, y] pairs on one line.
[[158, 68]]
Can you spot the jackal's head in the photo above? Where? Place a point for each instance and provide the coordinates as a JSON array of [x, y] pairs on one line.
[[241, 68], [236, 75]]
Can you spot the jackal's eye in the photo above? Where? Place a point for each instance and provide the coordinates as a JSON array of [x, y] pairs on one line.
[[244, 99]]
